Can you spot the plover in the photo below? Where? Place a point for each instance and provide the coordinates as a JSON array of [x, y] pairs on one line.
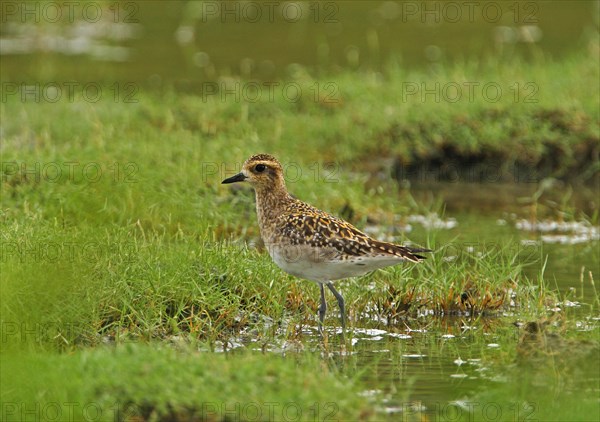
[[309, 243]]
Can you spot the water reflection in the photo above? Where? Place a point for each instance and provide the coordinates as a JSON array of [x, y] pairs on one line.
[[206, 40], [99, 40]]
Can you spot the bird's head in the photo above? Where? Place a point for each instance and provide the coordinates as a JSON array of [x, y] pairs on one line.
[[262, 171]]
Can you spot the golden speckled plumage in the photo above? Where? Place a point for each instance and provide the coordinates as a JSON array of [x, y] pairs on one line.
[[301, 223], [307, 242]]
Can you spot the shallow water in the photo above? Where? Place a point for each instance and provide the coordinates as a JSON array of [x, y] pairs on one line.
[[455, 368], [447, 373], [447, 363], [191, 42], [551, 234]]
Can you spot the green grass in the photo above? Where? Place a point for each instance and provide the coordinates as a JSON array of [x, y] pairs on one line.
[[153, 382], [146, 246], [132, 283]]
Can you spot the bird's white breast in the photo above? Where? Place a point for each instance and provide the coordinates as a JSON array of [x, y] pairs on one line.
[[325, 264]]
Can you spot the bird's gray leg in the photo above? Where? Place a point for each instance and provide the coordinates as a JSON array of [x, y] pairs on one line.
[[322, 309], [340, 300]]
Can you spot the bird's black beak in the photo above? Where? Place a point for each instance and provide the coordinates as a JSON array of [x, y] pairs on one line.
[[237, 178]]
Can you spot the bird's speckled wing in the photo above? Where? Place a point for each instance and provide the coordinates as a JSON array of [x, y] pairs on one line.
[[306, 225]]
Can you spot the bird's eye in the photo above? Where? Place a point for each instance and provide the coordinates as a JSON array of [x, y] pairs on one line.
[[260, 168]]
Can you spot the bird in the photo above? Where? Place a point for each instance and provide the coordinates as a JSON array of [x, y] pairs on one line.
[[309, 243]]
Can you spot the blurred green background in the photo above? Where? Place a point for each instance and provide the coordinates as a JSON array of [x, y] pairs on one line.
[[183, 43]]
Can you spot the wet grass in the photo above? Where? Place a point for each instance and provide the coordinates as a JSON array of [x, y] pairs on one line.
[[127, 283], [116, 230], [154, 382]]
